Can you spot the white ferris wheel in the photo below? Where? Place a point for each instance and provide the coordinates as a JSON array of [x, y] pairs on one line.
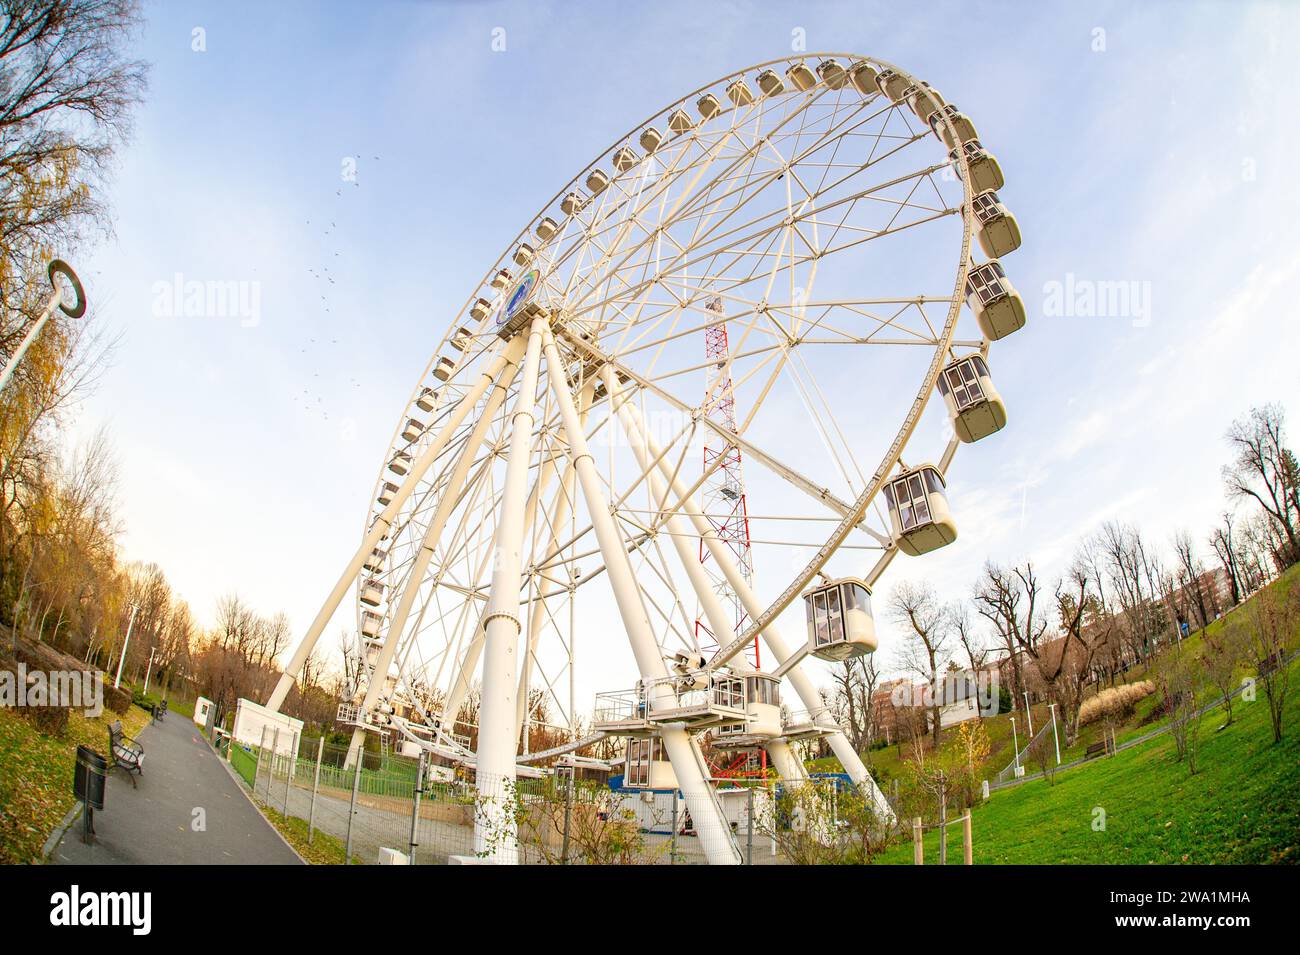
[[780, 268]]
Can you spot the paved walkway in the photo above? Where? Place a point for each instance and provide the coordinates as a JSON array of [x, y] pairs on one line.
[[155, 823]]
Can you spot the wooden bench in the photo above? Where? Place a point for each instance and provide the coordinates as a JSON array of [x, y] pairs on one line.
[[126, 753], [1100, 748]]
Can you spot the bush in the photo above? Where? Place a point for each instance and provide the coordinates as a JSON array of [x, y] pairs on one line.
[[1116, 703], [145, 701], [119, 701], [50, 720]]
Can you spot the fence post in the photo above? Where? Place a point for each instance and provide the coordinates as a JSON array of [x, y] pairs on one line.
[[352, 806], [672, 843], [968, 854], [570, 778], [749, 826], [943, 828], [415, 809], [315, 785], [257, 771], [293, 769], [270, 776], [918, 849]]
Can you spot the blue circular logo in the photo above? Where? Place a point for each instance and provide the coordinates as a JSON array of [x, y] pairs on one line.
[[519, 296]]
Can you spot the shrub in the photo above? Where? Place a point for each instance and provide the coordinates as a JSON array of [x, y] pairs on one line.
[[119, 701], [50, 720], [1115, 703]]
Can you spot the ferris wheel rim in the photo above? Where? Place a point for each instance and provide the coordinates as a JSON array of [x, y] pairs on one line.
[[942, 347]]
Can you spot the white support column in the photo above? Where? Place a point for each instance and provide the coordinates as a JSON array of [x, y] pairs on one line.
[[442, 513], [799, 680], [714, 831], [559, 515], [495, 833], [786, 764], [509, 356]]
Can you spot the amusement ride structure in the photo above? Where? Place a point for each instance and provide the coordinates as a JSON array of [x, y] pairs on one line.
[[780, 268]]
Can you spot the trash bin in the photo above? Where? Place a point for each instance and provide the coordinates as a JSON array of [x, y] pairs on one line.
[[88, 786]]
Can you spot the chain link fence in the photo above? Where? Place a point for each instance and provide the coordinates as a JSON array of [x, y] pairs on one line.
[[378, 803]]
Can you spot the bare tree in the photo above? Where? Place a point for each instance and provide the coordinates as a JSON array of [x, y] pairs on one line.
[[925, 648], [1226, 550], [1264, 470], [1009, 600]]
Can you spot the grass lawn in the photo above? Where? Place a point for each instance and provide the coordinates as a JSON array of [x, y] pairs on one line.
[[36, 782], [1242, 806], [324, 848]]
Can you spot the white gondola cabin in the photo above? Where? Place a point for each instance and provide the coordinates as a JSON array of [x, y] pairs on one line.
[[680, 122], [832, 74], [840, 624], [501, 280], [442, 371], [739, 93], [999, 233], [460, 341], [624, 159], [428, 399], [961, 123], [770, 83], [863, 77], [923, 99], [480, 309], [985, 172], [762, 705], [546, 228], [413, 429], [370, 622], [386, 493], [974, 405], [375, 562], [524, 254], [800, 77], [647, 767], [997, 305], [571, 203], [597, 181], [918, 511], [650, 139], [372, 592], [708, 106], [892, 83], [400, 464]]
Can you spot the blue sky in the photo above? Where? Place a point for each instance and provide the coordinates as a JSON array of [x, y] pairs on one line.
[[248, 451]]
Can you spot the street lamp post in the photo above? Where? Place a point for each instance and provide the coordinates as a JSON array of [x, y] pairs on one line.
[[1051, 708], [57, 267], [1015, 742], [148, 672], [1029, 715], [117, 682]]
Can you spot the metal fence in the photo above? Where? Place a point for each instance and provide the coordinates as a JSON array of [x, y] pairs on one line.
[[378, 803]]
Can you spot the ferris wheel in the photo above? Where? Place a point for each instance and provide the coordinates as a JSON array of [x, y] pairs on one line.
[[538, 530]]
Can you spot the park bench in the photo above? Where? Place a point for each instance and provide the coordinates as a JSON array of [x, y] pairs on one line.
[[1099, 748], [127, 754], [159, 711]]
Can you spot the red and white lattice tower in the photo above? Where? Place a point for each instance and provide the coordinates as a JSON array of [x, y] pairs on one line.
[[723, 494]]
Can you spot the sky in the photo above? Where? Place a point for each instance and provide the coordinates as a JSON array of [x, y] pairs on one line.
[[1143, 144]]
